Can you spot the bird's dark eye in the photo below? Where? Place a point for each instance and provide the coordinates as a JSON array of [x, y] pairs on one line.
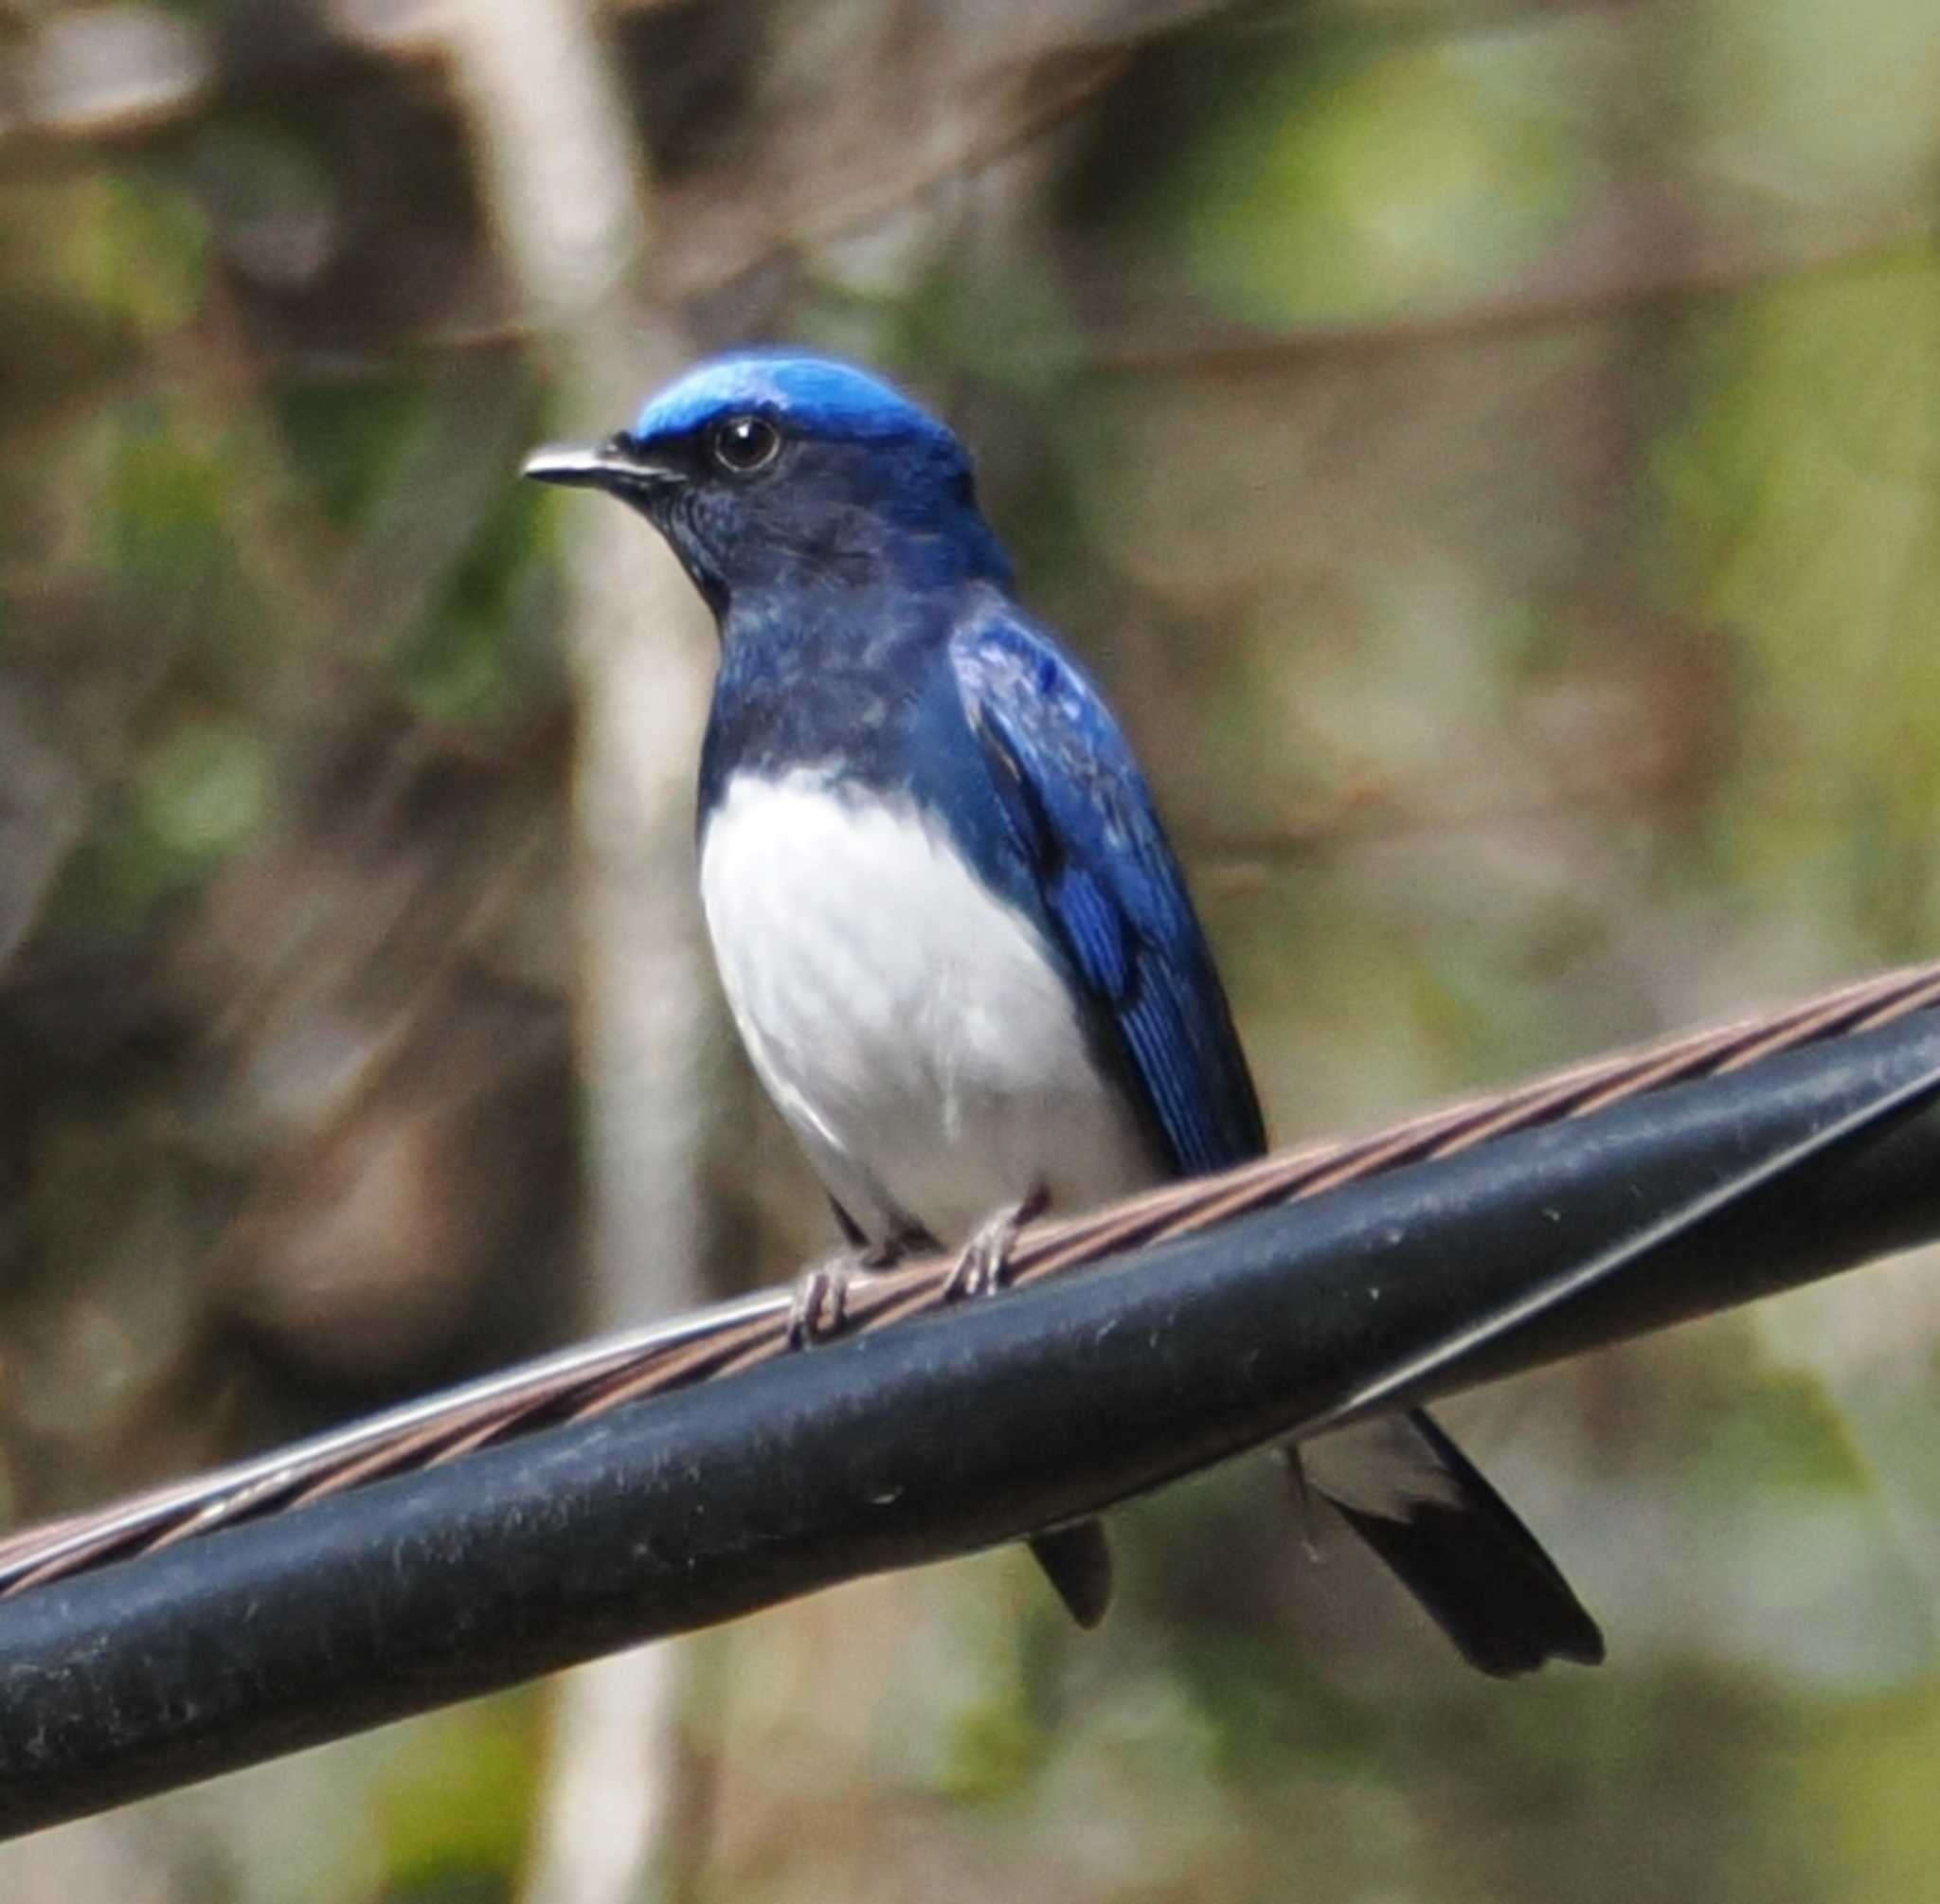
[[742, 445]]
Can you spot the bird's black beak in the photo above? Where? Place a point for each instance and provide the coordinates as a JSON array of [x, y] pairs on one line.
[[616, 466]]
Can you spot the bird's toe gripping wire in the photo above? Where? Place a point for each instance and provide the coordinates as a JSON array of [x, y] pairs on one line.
[[984, 1262], [821, 1299], [820, 1306]]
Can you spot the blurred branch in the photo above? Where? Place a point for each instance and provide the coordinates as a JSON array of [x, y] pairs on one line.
[[103, 72], [1620, 1196], [1590, 281], [811, 178], [1368, 816], [812, 173]]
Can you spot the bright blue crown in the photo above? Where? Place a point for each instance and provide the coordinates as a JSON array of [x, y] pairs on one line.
[[819, 396]]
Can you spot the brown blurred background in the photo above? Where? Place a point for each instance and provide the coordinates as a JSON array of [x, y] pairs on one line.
[[1490, 450]]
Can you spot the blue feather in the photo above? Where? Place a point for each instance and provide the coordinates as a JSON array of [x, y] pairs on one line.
[[810, 394], [1084, 837]]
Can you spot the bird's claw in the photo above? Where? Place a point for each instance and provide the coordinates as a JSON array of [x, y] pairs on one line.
[[821, 1301], [983, 1264], [820, 1306]]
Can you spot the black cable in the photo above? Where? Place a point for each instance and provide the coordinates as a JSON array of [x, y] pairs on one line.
[[948, 1433]]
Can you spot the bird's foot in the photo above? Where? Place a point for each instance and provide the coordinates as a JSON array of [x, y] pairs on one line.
[[819, 1309], [983, 1264]]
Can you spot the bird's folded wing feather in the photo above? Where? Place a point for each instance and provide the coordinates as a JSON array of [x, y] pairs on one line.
[[1080, 822]]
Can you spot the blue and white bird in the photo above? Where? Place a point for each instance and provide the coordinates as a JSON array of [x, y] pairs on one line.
[[948, 924]]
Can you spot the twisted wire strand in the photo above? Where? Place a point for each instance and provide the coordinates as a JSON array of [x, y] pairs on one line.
[[597, 1377]]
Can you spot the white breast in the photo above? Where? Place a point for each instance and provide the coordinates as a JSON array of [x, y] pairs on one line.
[[909, 1026]]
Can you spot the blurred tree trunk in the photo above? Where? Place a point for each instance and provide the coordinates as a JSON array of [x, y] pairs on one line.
[[571, 194]]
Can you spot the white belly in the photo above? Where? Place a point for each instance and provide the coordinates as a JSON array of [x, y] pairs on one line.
[[911, 1027]]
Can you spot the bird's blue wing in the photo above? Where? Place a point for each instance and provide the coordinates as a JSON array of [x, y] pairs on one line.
[[1081, 835]]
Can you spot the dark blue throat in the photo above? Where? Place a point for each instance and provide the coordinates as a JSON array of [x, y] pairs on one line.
[[851, 680]]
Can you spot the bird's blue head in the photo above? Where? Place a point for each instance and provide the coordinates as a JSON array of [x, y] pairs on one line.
[[772, 470]]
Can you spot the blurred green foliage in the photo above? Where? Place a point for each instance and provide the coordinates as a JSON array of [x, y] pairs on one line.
[[458, 1804], [1394, 177]]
